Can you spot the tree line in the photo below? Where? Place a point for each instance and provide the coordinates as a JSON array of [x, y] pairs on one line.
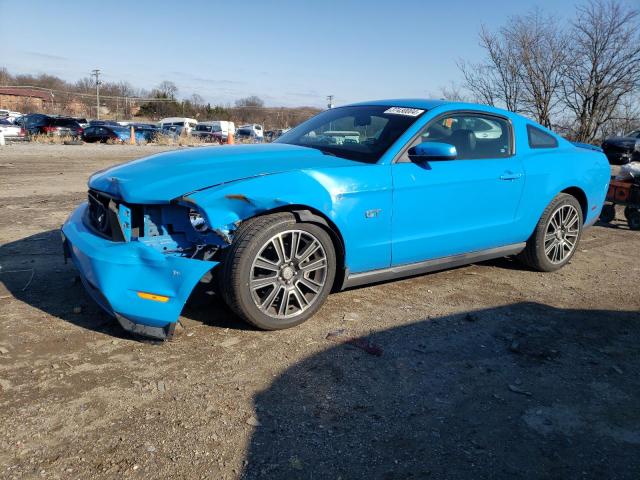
[[581, 77], [123, 101]]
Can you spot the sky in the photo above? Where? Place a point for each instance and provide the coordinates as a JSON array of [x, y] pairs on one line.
[[289, 53]]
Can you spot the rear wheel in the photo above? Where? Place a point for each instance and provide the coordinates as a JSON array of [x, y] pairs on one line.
[[633, 217], [277, 273], [608, 213], [556, 237]]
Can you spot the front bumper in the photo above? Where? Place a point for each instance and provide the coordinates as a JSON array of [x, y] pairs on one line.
[[115, 272]]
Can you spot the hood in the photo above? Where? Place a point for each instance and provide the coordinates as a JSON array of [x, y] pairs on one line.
[[165, 176]]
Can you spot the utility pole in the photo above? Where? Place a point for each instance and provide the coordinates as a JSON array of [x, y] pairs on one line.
[[96, 73], [330, 100]]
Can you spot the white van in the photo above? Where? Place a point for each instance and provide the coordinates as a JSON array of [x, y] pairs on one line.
[[216, 130], [178, 124]]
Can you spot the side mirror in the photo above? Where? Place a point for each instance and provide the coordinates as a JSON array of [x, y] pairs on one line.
[[432, 151]]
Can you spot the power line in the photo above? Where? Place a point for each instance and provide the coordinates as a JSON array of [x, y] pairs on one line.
[[136, 99]]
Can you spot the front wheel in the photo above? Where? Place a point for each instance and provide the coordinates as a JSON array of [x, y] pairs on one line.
[[277, 273], [556, 237]]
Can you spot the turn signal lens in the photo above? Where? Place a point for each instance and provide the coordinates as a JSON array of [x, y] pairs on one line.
[[154, 297]]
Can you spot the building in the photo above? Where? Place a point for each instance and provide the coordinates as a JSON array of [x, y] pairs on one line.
[[25, 99]]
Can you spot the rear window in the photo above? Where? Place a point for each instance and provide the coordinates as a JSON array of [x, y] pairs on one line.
[[540, 139], [244, 131]]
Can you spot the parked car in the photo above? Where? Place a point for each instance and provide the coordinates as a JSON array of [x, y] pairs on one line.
[[9, 115], [109, 133], [144, 125], [258, 131], [41, 124], [622, 150], [214, 131], [271, 135], [83, 122], [276, 227], [11, 131], [246, 135], [178, 124], [153, 134], [94, 123]]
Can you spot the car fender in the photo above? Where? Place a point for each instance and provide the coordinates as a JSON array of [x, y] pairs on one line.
[[338, 197]]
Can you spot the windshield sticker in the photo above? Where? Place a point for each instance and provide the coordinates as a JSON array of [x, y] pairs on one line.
[[408, 112]]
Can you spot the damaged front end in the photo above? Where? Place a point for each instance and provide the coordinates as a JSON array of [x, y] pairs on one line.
[[139, 262]]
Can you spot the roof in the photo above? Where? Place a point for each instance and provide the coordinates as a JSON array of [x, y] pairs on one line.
[[429, 104], [422, 103], [25, 92]]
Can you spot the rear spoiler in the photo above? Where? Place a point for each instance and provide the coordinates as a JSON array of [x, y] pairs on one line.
[[588, 146]]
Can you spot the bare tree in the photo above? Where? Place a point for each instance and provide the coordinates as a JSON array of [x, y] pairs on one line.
[[168, 89], [606, 48], [252, 101], [542, 50], [5, 77], [496, 80], [197, 100], [625, 118], [452, 92]]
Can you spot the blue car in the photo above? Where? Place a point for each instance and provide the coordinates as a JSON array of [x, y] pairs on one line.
[[358, 194]]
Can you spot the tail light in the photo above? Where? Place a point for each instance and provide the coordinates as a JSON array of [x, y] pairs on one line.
[[23, 132], [81, 131], [49, 129]]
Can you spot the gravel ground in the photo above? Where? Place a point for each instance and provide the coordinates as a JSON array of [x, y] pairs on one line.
[[486, 371]]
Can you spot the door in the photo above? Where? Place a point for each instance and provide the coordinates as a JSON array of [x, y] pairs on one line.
[[89, 134], [450, 207]]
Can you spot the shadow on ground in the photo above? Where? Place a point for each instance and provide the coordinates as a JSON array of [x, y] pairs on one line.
[[521, 391], [33, 271]]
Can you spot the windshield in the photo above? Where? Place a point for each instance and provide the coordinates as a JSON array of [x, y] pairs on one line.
[[362, 133]]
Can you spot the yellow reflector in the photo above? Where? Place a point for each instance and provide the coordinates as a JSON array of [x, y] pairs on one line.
[[153, 296]]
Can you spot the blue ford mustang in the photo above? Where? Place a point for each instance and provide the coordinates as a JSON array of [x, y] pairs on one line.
[[357, 194]]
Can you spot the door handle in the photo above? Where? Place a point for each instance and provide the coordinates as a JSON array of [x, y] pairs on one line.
[[510, 176]]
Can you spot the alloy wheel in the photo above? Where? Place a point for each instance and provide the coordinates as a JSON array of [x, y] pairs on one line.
[[288, 274], [561, 236]]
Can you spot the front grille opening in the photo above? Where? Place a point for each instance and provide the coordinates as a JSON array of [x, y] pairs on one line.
[[103, 217], [99, 213]]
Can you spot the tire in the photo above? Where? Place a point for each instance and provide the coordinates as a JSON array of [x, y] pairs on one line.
[[633, 218], [304, 282], [608, 213], [628, 211], [550, 248]]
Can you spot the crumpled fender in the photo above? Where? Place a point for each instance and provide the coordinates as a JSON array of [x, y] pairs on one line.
[[355, 198], [226, 206]]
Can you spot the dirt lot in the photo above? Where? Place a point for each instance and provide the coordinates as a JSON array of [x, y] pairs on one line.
[[487, 371]]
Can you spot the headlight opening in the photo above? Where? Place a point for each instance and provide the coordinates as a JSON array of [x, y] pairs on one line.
[[198, 221]]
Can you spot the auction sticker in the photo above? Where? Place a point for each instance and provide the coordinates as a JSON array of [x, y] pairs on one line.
[[408, 112]]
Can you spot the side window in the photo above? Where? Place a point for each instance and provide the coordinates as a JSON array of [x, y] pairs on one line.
[[540, 139], [475, 135]]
